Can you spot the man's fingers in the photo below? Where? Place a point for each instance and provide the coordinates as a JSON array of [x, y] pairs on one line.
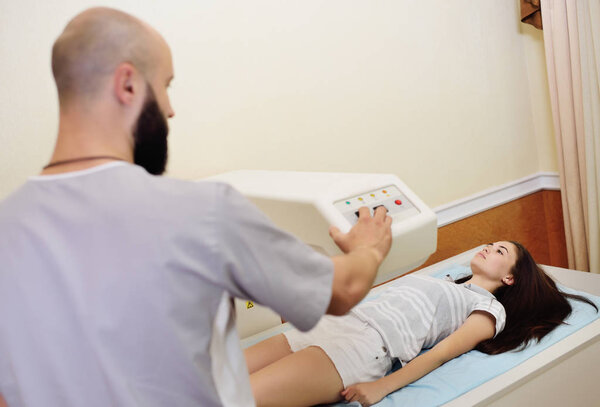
[[388, 220], [363, 212], [334, 232], [380, 212]]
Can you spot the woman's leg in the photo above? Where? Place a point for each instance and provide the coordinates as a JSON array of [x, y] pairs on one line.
[[303, 378], [266, 352]]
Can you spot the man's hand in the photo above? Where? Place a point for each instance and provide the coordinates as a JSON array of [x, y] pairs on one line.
[[366, 394], [369, 232], [365, 246]]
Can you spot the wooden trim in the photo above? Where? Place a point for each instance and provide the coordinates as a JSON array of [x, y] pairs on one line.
[[492, 197], [534, 220]]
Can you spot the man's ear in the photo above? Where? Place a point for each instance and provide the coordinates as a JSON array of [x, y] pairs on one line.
[[126, 83], [508, 280]]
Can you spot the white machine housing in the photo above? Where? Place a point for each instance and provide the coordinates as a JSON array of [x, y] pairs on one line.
[[307, 203]]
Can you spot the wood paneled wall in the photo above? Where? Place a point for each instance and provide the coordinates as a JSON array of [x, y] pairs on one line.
[[534, 220]]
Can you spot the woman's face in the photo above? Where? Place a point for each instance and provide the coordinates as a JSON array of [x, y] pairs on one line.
[[495, 261]]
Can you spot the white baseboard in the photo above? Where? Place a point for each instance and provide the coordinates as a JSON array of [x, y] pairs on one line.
[[492, 197]]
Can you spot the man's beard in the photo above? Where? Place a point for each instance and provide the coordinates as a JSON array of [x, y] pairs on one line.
[[150, 148]]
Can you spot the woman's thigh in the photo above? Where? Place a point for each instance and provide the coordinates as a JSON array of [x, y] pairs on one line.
[[303, 378], [266, 352]]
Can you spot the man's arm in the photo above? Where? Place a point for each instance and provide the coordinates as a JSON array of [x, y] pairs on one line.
[[364, 246], [2, 402]]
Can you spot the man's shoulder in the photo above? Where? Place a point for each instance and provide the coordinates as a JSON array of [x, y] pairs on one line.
[[175, 186], [14, 201], [134, 179]]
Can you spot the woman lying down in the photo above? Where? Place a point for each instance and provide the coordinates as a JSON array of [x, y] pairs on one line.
[[507, 302]]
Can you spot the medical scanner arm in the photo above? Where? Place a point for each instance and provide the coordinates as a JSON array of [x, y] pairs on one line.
[[306, 204]]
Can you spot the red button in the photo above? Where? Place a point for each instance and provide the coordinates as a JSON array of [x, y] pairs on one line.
[[398, 202]]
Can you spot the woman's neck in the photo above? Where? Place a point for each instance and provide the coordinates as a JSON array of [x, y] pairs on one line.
[[484, 283]]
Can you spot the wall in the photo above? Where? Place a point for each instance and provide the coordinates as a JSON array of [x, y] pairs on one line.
[[450, 96], [534, 220], [541, 110]]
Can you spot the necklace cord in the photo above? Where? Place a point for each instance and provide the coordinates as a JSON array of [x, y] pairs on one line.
[[74, 160]]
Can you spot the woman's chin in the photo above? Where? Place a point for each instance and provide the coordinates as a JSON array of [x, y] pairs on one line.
[[475, 262]]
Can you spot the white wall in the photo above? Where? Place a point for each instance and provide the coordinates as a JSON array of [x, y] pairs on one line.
[[449, 95]]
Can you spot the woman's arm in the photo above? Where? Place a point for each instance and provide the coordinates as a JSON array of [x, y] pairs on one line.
[[478, 327]]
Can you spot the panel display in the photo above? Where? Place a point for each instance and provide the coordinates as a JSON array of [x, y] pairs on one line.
[[397, 204]]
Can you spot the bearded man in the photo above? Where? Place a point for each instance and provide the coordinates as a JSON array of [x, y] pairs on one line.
[[116, 282]]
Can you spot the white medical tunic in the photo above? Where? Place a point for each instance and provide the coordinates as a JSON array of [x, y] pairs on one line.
[[115, 284], [417, 312]]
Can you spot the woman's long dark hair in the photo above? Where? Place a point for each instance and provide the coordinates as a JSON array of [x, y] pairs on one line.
[[534, 305]]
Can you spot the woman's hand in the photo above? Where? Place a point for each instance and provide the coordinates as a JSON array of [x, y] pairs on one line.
[[366, 394]]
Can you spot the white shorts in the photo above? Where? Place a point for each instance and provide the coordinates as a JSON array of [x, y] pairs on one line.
[[355, 348]]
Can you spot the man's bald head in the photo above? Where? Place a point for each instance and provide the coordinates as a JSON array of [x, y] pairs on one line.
[[94, 43]]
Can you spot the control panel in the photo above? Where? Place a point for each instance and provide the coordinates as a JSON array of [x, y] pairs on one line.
[[397, 204]]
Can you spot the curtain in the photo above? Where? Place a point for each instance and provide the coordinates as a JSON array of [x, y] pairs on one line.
[[572, 43], [588, 15]]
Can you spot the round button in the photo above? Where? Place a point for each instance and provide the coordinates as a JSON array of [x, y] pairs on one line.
[[398, 202]]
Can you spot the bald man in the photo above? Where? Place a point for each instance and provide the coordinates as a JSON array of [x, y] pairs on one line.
[[115, 282]]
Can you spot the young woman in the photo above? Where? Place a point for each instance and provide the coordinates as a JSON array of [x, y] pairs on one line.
[[506, 302]]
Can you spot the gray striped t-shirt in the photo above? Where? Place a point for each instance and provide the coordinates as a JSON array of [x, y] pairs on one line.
[[417, 312]]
